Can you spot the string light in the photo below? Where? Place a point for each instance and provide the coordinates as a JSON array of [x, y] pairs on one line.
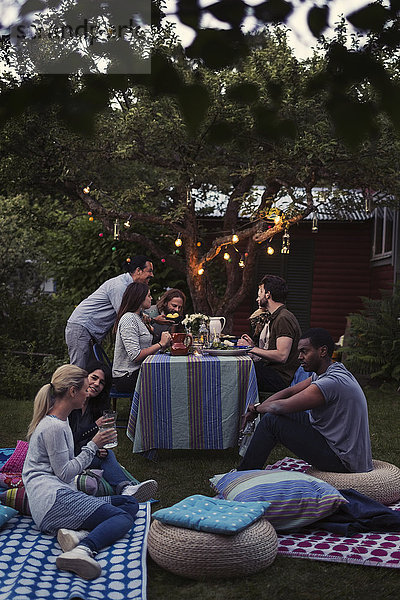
[[163, 260], [128, 260], [277, 220], [285, 243], [241, 263], [91, 218], [101, 235], [198, 244], [314, 227], [86, 189], [270, 250], [178, 241], [116, 229], [235, 239], [227, 256], [200, 271], [127, 223]]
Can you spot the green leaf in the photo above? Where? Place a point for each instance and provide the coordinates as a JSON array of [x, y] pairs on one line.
[[273, 11], [371, 18], [218, 48], [194, 101], [220, 132], [353, 120], [189, 13], [165, 78], [317, 19], [228, 11], [244, 93]]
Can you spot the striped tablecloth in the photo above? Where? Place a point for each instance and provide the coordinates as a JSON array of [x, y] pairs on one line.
[[190, 402]]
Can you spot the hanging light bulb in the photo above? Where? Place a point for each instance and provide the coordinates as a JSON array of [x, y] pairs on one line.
[[241, 263], [314, 227], [270, 250], [200, 271], [235, 239], [368, 203], [285, 243], [116, 229], [178, 241], [227, 256]]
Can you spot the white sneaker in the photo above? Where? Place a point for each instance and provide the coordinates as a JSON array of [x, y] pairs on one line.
[[80, 562], [143, 491], [69, 539]]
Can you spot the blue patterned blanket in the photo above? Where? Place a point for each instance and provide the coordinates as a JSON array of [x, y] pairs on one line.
[[28, 563]]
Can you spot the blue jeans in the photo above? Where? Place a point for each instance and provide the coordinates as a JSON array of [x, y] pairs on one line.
[[110, 522], [295, 432], [112, 471]]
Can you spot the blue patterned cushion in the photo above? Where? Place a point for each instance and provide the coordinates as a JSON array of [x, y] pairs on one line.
[[212, 514], [296, 499], [6, 513]]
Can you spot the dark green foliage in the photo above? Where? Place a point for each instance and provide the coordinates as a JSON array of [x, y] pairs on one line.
[[374, 343]]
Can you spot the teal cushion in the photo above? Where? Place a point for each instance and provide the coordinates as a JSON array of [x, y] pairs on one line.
[[296, 499], [6, 513], [211, 514]]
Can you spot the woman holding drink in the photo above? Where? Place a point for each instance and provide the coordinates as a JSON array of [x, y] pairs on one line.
[[94, 416], [49, 471]]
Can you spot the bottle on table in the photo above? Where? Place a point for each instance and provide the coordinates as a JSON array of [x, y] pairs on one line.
[[203, 334], [245, 437]]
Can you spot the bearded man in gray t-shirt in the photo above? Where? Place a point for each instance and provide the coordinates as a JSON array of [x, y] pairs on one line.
[[323, 420]]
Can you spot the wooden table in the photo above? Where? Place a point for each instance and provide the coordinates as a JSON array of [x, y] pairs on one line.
[[190, 402]]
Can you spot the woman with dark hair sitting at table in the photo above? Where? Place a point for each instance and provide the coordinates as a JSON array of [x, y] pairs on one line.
[[172, 302], [133, 338], [85, 422]]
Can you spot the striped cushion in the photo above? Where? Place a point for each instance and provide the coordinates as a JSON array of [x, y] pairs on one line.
[[296, 499]]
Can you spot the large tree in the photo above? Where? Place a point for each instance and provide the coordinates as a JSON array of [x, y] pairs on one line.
[[150, 163], [353, 117]]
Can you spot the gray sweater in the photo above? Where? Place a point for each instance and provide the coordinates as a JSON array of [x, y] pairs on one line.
[[132, 337], [50, 464]]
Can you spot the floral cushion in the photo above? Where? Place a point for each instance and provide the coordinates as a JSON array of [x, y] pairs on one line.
[[212, 514], [296, 499], [10, 480]]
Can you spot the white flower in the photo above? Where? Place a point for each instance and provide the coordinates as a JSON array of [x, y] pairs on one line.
[[195, 318]]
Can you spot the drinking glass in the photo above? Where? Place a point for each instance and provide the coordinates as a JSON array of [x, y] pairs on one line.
[[111, 415]]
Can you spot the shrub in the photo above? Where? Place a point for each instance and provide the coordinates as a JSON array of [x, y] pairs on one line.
[[373, 347]]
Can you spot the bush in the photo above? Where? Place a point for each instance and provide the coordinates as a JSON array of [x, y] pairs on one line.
[[373, 347]]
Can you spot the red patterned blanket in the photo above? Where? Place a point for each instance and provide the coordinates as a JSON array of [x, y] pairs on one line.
[[372, 549]]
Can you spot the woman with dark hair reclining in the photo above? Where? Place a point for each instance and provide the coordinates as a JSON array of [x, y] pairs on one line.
[[85, 423]]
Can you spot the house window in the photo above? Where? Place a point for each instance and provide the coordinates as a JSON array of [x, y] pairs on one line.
[[383, 233]]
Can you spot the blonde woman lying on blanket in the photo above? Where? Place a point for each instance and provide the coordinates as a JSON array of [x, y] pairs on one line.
[[49, 471]]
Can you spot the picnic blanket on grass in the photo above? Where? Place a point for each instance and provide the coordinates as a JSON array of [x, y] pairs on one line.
[[370, 549], [28, 563]]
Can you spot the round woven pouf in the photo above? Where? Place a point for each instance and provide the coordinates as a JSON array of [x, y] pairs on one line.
[[196, 554], [381, 484]]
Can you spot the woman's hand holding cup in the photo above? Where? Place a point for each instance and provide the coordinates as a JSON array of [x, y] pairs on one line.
[[165, 339]]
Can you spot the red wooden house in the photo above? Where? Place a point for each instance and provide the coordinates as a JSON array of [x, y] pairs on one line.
[[329, 271]]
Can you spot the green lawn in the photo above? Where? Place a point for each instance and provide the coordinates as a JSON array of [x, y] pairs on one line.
[[182, 473]]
